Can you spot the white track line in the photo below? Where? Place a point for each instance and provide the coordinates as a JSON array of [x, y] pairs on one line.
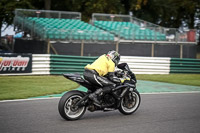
[[30, 99], [183, 92]]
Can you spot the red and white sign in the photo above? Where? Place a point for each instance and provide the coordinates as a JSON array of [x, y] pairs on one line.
[[15, 63]]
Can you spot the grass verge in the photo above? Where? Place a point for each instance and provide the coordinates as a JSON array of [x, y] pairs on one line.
[[184, 79], [20, 87]]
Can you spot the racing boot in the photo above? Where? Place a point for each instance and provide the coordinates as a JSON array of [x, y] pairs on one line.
[[94, 96]]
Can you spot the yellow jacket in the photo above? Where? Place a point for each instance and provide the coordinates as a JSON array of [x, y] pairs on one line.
[[102, 65]]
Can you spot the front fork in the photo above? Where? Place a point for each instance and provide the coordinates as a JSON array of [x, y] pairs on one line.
[[119, 97]]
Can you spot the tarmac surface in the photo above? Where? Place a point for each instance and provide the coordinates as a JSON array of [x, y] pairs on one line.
[[158, 113], [165, 108]]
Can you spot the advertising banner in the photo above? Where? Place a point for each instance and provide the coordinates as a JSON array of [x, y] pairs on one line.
[[15, 63]]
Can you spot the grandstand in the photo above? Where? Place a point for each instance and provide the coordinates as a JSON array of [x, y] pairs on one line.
[[64, 30], [130, 31], [57, 28], [56, 25], [124, 27]]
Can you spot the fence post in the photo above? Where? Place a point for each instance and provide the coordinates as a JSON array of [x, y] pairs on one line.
[[181, 51], [152, 50], [48, 46], [52, 47], [117, 46], [82, 47]]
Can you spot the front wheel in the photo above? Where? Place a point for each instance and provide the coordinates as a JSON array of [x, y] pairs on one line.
[[130, 102], [67, 108]]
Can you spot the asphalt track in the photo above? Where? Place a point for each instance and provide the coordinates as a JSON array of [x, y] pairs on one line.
[[158, 113]]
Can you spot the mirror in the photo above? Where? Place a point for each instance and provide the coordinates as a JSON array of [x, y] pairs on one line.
[[123, 66]]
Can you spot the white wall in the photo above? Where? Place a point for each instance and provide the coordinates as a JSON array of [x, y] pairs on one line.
[[147, 65], [41, 64]]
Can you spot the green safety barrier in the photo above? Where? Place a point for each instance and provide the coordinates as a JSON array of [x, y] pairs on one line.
[[184, 65], [60, 64]]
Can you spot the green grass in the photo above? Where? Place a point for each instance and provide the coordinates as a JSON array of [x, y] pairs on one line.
[[184, 79], [20, 87]]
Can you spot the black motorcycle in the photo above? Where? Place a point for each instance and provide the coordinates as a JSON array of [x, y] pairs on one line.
[[123, 97]]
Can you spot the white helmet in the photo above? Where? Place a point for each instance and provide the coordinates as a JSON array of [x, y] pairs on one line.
[[114, 56]]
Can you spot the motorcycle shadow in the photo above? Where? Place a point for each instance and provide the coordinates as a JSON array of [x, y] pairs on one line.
[[100, 115]]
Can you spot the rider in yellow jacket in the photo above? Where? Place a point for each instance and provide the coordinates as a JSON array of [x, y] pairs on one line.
[[95, 72]]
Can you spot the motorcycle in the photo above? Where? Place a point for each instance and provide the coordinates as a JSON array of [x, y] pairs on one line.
[[123, 97]]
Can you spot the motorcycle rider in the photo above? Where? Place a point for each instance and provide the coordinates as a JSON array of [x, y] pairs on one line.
[[97, 72]]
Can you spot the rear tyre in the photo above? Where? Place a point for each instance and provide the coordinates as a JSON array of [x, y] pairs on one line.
[[67, 108], [130, 102]]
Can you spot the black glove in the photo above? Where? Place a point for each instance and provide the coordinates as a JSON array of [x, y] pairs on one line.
[[111, 76], [118, 73]]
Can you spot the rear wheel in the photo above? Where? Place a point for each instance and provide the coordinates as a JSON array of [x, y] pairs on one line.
[[67, 108], [130, 102]]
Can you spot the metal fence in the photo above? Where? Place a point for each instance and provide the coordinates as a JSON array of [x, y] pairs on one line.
[[172, 34], [47, 14], [110, 17]]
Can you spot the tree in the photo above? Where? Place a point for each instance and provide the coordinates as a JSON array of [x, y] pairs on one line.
[[47, 4], [169, 13], [7, 8], [43, 4], [87, 7]]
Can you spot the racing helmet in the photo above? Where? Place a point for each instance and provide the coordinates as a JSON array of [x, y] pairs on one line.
[[114, 56]]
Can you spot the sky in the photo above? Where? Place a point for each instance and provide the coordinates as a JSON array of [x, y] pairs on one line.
[[9, 31]]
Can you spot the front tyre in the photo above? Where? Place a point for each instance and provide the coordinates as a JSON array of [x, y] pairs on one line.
[[67, 108], [130, 102]]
